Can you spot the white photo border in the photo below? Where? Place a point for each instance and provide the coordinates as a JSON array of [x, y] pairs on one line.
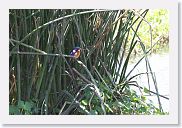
[[173, 116]]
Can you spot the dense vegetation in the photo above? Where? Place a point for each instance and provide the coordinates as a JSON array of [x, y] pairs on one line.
[[44, 79]]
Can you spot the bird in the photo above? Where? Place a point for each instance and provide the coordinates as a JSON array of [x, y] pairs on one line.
[[75, 52]]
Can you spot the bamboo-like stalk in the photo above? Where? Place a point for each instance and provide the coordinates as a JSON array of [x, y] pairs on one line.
[[50, 84], [58, 19], [97, 92], [18, 63]]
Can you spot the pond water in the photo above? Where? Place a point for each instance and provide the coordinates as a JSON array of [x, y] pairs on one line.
[[160, 66]]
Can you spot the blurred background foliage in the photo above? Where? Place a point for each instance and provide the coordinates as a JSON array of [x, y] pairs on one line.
[[45, 80], [158, 20]]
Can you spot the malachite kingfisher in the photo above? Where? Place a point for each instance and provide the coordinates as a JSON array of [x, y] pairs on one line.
[[75, 52]]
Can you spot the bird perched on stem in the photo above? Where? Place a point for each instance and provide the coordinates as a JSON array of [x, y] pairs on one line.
[[75, 52]]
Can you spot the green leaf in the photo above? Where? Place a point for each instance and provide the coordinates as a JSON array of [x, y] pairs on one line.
[[14, 110], [146, 90], [93, 112], [98, 109], [84, 102], [143, 109], [21, 104], [136, 99], [27, 106], [143, 98]]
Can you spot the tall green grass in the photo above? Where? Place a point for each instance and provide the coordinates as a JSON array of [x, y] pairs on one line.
[[44, 79]]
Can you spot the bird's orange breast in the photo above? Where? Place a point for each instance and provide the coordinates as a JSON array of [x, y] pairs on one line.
[[77, 54]]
